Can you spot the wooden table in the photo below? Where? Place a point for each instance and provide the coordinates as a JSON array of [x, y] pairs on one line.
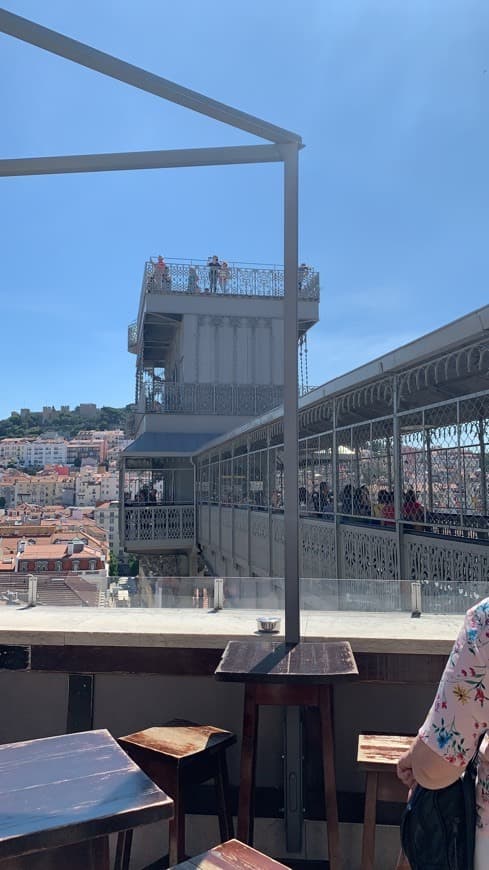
[[275, 673], [61, 797]]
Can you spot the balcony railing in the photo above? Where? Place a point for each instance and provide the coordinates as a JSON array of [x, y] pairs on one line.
[[232, 280], [232, 399], [162, 524], [132, 336]]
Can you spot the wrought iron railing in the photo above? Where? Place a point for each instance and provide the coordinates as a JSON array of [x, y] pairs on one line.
[[132, 335], [448, 567], [233, 399], [163, 523], [230, 279]]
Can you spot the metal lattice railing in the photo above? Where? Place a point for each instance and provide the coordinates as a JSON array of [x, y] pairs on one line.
[[422, 471], [232, 399], [233, 279], [132, 335], [171, 523]]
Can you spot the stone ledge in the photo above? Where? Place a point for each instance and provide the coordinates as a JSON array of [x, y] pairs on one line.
[[199, 629]]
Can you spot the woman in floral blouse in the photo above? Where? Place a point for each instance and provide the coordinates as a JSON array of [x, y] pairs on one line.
[[460, 714]]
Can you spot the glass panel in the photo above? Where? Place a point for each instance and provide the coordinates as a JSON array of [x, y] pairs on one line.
[[240, 472]]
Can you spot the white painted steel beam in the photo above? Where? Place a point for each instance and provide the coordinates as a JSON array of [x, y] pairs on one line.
[[235, 154], [100, 61]]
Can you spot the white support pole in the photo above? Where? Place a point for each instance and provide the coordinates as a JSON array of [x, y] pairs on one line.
[[291, 429], [130, 160]]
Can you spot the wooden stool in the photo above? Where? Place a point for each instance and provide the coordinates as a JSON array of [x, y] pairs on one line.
[[232, 855], [181, 754], [378, 755]]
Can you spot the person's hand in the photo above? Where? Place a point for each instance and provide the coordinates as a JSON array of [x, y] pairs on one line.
[[405, 770]]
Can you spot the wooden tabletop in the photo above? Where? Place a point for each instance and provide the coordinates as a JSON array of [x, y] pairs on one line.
[[63, 790], [266, 661], [381, 752], [229, 856], [180, 739]]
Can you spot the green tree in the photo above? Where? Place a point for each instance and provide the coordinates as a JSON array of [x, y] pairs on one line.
[[133, 565], [113, 565], [68, 423]]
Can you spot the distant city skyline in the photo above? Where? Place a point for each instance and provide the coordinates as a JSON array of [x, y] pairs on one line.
[[390, 101]]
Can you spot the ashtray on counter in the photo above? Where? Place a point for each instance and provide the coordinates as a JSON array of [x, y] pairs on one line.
[[268, 623]]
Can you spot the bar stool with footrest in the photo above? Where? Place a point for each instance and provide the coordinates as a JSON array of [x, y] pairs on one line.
[[181, 754], [378, 755]]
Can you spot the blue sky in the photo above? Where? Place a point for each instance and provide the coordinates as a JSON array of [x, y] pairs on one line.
[[391, 100]]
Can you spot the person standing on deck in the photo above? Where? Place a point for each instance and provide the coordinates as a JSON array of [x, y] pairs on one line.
[[214, 269], [224, 276]]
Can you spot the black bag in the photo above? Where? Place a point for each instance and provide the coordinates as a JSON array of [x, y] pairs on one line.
[[438, 825]]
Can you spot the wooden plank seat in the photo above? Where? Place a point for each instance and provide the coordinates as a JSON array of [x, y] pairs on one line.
[[231, 856], [181, 754], [378, 755]]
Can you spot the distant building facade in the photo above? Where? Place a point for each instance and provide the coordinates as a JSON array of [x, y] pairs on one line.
[[80, 449], [42, 451], [87, 410], [74, 556], [106, 515]]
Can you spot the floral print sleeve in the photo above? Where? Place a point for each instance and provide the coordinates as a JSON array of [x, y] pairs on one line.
[[460, 711]]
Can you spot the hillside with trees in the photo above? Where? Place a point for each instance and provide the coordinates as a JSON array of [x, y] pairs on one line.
[[67, 424]]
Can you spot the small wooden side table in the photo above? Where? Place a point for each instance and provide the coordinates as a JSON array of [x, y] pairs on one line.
[[278, 674], [378, 755], [178, 756], [61, 797]]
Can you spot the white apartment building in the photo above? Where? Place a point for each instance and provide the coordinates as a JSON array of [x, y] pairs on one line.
[[92, 487], [45, 451], [106, 516], [109, 485], [13, 450], [87, 488]]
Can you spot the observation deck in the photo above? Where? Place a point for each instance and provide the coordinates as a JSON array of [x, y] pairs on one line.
[[209, 342], [165, 288]]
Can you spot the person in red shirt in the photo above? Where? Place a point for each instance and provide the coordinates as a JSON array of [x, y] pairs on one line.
[[161, 273], [389, 510]]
